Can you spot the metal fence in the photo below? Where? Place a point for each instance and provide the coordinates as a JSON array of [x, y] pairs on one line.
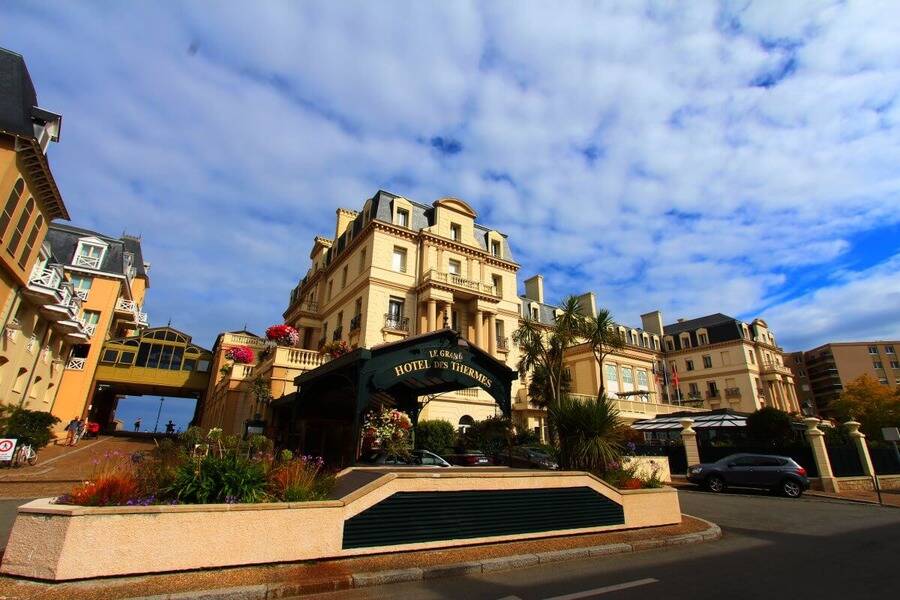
[[885, 460], [802, 454], [845, 460]]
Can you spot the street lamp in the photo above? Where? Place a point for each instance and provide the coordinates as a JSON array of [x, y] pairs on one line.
[[158, 413]]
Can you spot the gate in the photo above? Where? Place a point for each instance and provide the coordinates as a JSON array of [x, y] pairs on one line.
[[885, 460], [845, 460]]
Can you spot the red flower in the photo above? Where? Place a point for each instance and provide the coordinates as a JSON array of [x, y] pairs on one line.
[[240, 354]]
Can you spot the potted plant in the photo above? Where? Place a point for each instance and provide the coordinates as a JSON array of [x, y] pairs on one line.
[[240, 354], [283, 335]]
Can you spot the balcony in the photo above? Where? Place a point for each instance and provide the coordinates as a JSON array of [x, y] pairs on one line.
[[337, 334], [635, 409], [396, 322], [503, 344], [130, 312], [83, 294], [458, 282], [713, 395], [76, 364], [733, 392], [355, 323], [772, 369], [88, 262], [293, 358], [45, 284]]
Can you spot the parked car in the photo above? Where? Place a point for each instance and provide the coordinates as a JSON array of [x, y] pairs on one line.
[[472, 458], [524, 457], [418, 458], [778, 473]]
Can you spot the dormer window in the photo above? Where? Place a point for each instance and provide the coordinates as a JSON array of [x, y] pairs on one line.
[[455, 232], [495, 248], [402, 217], [90, 253]]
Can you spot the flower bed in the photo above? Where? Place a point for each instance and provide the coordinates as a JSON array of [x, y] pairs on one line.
[[200, 469]]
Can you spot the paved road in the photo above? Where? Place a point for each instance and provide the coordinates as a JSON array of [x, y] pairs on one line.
[[772, 548], [7, 516]]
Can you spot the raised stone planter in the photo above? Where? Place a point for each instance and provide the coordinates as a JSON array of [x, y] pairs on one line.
[[55, 542]]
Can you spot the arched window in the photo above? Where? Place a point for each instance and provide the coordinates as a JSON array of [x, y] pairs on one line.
[[21, 378], [29, 243], [20, 227], [48, 395], [32, 393], [14, 196], [465, 422]]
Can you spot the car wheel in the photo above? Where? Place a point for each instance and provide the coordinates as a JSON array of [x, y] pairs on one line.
[[791, 488], [714, 483]]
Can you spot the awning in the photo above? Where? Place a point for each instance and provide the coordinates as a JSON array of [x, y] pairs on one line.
[[701, 421]]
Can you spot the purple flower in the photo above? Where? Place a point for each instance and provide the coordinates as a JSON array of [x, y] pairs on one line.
[[231, 499]]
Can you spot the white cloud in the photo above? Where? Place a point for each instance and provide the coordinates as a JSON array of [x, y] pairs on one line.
[[628, 150]]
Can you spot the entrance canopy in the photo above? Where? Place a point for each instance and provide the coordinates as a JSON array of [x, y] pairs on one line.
[[336, 395]]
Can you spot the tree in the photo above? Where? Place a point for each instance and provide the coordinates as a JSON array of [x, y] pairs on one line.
[[872, 404], [601, 333], [30, 427], [492, 435], [589, 433], [435, 436], [260, 389], [769, 424], [539, 391]]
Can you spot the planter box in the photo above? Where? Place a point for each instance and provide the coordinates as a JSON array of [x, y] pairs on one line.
[[57, 542]]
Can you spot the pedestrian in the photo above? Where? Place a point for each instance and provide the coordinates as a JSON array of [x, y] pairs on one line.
[[80, 428], [170, 427], [71, 431], [137, 425]]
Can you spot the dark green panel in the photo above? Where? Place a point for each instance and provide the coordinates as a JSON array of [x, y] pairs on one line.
[[412, 517]]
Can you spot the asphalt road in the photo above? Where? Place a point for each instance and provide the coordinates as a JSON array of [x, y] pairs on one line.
[[8, 515], [771, 548]]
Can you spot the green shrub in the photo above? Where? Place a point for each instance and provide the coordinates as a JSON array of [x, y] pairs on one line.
[[770, 425], [435, 436], [589, 433], [30, 427], [525, 437], [492, 435], [216, 479]]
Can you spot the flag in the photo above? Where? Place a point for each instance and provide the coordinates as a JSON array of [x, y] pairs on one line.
[[675, 375]]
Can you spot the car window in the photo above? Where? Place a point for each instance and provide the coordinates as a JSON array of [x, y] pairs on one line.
[[427, 460], [768, 461], [742, 461]]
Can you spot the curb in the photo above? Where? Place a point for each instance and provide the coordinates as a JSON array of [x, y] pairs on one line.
[[819, 496], [489, 565]]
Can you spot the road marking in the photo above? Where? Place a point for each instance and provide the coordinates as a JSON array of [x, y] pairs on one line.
[[605, 590]]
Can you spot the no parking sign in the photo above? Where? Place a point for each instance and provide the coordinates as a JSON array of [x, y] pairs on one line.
[[7, 446]]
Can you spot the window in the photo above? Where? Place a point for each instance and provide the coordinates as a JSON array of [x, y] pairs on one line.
[[643, 382], [402, 217], [498, 284], [895, 364], [82, 282], [713, 388], [126, 358], [11, 203], [685, 341], [707, 362], [628, 378], [693, 389], [873, 349], [611, 374], [455, 232], [344, 277], [399, 259], [202, 366], [689, 365], [91, 317], [454, 267], [656, 343], [495, 248], [883, 381], [703, 339], [20, 227], [670, 346], [752, 359], [29, 243], [330, 288], [395, 308], [877, 364], [357, 309], [465, 422], [110, 356], [726, 358], [498, 330], [362, 260], [889, 349], [90, 254]]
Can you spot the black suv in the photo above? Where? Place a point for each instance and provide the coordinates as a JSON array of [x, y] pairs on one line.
[[777, 473]]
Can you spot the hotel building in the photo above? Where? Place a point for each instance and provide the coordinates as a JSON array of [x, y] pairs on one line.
[[828, 368], [40, 314], [394, 269]]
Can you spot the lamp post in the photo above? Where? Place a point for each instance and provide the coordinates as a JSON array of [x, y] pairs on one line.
[[158, 413]]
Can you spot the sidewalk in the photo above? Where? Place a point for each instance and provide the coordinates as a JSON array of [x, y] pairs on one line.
[[290, 580], [889, 497]]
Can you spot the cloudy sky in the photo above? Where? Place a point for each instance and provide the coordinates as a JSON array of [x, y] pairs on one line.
[[740, 157]]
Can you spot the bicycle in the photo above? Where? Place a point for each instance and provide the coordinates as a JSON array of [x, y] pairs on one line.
[[25, 453]]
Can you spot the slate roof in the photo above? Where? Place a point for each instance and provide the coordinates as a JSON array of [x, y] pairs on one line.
[[17, 95], [690, 324], [63, 240], [719, 328], [546, 312]]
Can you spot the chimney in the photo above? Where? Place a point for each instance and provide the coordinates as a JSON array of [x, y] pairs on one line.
[[534, 288], [652, 322], [588, 304], [344, 218]]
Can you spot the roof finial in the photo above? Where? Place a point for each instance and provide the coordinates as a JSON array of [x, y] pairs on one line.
[[169, 324]]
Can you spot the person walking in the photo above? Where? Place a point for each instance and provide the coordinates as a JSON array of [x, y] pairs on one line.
[[137, 425], [71, 431], [170, 427]]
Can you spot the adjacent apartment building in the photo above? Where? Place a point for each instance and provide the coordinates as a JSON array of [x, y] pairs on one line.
[[109, 278], [39, 311], [828, 368]]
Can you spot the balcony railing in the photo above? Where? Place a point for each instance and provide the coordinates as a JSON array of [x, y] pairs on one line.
[[309, 306], [125, 305], [91, 262], [89, 329], [461, 282], [355, 323], [503, 344], [642, 409], [83, 294], [337, 334], [396, 322], [296, 358], [49, 277], [732, 392], [712, 395], [770, 366], [76, 364]]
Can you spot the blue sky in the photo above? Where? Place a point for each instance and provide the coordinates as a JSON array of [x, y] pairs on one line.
[[737, 157]]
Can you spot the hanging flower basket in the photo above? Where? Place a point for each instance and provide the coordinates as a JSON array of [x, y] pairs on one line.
[[335, 349], [240, 354], [283, 335], [387, 429]]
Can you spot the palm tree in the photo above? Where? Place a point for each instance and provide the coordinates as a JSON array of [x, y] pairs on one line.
[[589, 433], [601, 333]]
